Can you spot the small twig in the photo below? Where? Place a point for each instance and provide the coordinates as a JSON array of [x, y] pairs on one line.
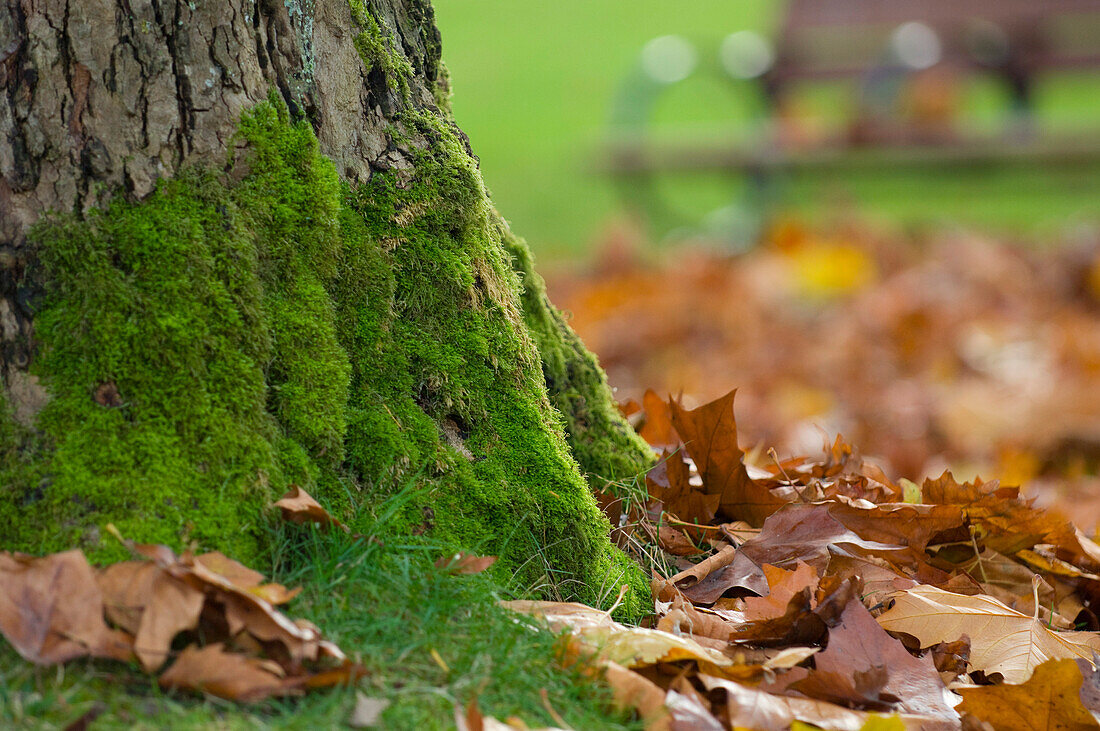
[[622, 593], [730, 536], [550, 709], [790, 483], [775, 458], [978, 555]]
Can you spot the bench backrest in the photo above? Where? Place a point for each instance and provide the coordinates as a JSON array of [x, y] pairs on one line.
[[835, 38]]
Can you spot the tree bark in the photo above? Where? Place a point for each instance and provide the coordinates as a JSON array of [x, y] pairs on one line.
[[293, 164], [109, 96]]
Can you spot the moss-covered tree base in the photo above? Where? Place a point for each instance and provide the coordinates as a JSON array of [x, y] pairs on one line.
[[368, 329], [248, 328]]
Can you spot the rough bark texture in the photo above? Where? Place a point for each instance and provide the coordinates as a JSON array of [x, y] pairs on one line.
[[102, 96], [243, 244]]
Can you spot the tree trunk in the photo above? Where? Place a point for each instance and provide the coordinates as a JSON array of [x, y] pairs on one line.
[[243, 245]]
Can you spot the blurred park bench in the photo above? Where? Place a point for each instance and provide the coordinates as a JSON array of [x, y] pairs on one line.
[[901, 68]]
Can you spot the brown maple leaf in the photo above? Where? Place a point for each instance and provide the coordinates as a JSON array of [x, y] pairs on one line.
[[858, 644], [710, 437]]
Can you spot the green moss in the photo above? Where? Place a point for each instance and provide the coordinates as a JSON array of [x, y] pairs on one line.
[[375, 52], [240, 331], [608, 450], [448, 351], [189, 346]]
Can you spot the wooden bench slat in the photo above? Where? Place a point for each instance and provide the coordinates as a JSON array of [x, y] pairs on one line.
[[638, 157]]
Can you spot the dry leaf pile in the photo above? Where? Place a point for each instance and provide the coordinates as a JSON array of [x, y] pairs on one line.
[[951, 350], [820, 591], [203, 622]]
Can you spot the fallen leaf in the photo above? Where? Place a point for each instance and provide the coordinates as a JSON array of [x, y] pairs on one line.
[[811, 534], [899, 523], [631, 690], [952, 658], [51, 609], [1002, 640], [126, 587], [1048, 700], [689, 714], [862, 689], [465, 563], [368, 711], [298, 506], [1009, 526], [783, 585], [710, 437], [173, 607], [1090, 687], [945, 490], [742, 573], [790, 657], [676, 542], [857, 644], [628, 646], [682, 617], [246, 579], [224, 674], [749, 708]]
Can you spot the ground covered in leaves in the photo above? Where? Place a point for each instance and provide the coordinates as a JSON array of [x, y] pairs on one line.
[[819, 591], [933, 350]]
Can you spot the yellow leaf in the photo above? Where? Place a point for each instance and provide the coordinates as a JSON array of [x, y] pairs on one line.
[[1002, 640], [1052, 565], [830, 269], [911, 491], [1049, 700], [627, 646]]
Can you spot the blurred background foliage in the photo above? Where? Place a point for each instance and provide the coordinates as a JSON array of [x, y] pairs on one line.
[[536, 85]]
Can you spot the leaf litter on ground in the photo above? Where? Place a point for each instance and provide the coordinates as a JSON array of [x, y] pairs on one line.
[[951, 348], [211, 620], [819, 592], [824, 593], [788, 591]]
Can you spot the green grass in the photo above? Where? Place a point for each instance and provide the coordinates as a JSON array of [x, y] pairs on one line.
[[386, 605], [534, 85]]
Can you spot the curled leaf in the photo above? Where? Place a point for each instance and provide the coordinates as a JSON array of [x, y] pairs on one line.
[[298, 506]]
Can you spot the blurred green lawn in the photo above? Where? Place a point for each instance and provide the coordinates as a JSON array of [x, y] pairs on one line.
[[534, 85]]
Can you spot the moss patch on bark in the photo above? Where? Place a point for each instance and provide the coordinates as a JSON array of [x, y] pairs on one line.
[[260, 324], [240, 331], [608, 450]]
